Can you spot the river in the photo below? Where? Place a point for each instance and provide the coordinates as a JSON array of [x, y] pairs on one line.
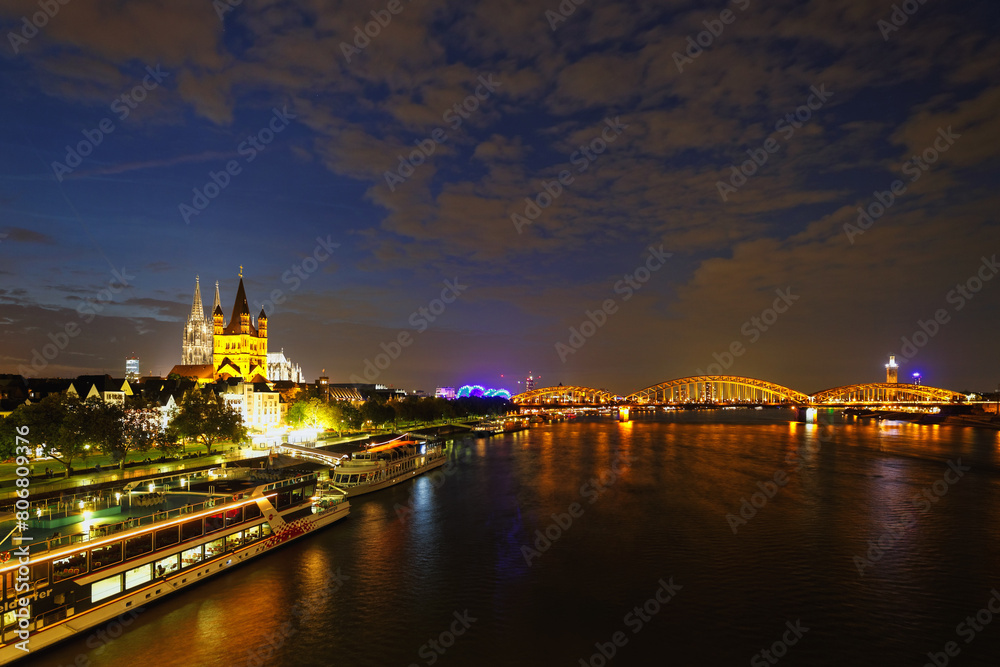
[[593, 542]]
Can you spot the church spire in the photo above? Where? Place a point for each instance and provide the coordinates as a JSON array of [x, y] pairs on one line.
[[218, 303], [197, 309]]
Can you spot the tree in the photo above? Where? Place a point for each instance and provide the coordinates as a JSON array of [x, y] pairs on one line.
[[56, 424], [118, 431], [208, 419], [311, 413]]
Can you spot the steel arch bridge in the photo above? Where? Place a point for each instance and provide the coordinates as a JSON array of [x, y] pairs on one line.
[[717, 389], [562, 395], [885, 392]]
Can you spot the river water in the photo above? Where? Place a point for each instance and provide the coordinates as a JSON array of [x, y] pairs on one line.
[[456, 568]]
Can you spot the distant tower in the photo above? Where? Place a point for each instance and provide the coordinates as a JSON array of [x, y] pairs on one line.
[[529, 383], [197, 345], [892, 370], [132, 368]]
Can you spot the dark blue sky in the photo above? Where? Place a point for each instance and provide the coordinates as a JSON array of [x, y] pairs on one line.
[[538, 102]]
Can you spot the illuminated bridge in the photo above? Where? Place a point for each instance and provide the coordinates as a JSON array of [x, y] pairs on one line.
[[736, 390]]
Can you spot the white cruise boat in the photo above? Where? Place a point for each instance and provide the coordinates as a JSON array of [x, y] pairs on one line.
[[53, 589], [387, 463]]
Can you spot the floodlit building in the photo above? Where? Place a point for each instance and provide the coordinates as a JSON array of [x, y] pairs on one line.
[[197, 345], [892, 370], [132, 369], [240, 347], [279, 367]]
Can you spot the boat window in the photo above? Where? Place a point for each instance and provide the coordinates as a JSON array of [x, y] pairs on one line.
[[215, 547], [251, 512], [138, 576], [234, 541], [104, 556], [283, 500], [138, 545], [190, 530], [167, 566], [9, 620], [265, 530], [296, 496], [215, 522], [40, 574], [65, 568], [252, 534], [307, 491], [191, 557], [105, 588], [9, 586], [234, 516], [354, 479], [166, 537]]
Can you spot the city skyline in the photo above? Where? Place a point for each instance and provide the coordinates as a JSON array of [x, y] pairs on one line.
[[801, 184]]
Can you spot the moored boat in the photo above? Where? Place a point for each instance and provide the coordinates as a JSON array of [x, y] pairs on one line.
[[55, 588], [384, 464]]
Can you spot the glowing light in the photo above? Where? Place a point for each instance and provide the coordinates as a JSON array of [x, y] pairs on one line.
[[87, 514], [152, 487]]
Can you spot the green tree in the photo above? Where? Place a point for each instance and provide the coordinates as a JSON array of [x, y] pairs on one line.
[[311, 413], [118, 431], [57, 424], [207, 419]]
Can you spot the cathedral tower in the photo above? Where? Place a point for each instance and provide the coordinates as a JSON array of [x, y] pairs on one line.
[[240, 348], [197, 345]]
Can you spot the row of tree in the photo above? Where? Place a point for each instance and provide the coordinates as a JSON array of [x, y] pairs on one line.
[[67, 429], [312, 411]]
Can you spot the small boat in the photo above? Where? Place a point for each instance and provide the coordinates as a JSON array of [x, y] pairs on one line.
[[384, 464]]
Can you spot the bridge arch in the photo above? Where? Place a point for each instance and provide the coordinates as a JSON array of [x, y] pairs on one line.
[[717, 389], [886, 391], [565, 395]]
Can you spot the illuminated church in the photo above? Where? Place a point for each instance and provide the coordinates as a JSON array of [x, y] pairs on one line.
[[240, 347], [197, 346], [222, 351]]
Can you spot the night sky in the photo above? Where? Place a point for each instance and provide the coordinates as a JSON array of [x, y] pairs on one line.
[[359, 184]]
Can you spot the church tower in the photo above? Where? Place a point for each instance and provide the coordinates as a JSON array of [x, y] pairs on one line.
[[197, 345], [240, 347]]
